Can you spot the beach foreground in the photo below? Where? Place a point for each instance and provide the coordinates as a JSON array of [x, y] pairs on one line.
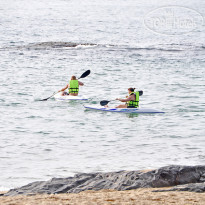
[[139, 196], [167, 185]]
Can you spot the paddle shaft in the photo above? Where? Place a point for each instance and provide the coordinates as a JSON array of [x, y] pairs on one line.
[[48, 97]]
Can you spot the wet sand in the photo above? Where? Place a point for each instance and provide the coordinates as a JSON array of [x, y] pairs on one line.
[[107, 197]]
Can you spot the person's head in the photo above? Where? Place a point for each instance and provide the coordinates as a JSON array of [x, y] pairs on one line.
[[130, 90], [73, 78]]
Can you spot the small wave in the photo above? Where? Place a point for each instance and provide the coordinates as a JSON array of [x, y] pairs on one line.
[[86, 46], [156, 49], [4, 189], [165, 47]]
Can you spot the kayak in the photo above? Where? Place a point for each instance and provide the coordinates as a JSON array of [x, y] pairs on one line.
[[58, 96], [123, 110]]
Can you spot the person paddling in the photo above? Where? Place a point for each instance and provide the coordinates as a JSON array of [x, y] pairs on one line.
[[73, 87], [132, 101]]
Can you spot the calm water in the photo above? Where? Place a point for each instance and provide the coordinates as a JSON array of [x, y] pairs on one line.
[[40, 140]]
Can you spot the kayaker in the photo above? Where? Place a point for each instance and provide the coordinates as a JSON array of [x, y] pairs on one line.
[[132, 101], [73, 87]]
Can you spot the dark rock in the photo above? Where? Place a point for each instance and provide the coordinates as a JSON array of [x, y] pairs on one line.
[[193, 187], [51, 45], [122, 180]]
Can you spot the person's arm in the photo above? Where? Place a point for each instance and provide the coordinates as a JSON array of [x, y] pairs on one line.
[[80, 83], [131, 97], [63, 88]]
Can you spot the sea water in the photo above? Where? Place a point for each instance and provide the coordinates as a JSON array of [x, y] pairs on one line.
[[124, 44]]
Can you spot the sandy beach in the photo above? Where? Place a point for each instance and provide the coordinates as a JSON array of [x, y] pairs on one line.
[[105, 197]]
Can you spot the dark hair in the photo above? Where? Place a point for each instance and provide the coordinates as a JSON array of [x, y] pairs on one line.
[[73, 78], [131, 89]]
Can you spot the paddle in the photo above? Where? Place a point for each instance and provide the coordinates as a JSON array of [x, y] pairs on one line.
[[105, 102], [85, 74], [48, 97]]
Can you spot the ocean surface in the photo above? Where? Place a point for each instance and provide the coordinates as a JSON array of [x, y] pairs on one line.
[[124, 44]]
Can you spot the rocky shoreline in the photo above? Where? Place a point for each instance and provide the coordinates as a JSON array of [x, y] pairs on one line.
[[177, 178]]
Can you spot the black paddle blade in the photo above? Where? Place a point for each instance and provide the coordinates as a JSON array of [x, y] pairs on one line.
[[44, 99], [140, 92], [85, 74], [104, 102]]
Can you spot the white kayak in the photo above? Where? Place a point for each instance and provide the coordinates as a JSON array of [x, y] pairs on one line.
[[122, 110], [58, 96]]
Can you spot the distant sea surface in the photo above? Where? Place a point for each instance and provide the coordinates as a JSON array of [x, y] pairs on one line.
[[124, 44]]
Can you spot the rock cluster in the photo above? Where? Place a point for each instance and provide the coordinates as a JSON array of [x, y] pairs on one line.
[[191, 177], [192, 187]]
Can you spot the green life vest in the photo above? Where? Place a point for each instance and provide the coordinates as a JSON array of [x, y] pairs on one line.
[[135, 102], [74, 86]]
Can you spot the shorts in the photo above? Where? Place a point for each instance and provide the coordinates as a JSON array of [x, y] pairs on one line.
[[65, 93]]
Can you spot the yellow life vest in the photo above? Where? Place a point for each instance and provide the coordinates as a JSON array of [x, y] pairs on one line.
[[134, 103], [74, 86]]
